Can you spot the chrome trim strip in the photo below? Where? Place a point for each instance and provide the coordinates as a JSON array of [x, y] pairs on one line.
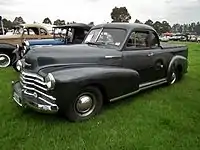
[[150, 83], [42, 99], [32, 75], [25, 78], [110, 57], [45, 89], [142, 87], [124, 96], [153, 85], [47, 102], [25, 92], [33, 89], [17, 102]]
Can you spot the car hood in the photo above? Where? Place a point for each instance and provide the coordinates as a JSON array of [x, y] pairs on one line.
[[70, 56], [45, 42]]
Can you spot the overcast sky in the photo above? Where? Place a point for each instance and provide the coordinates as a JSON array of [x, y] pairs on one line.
[[182, 11]]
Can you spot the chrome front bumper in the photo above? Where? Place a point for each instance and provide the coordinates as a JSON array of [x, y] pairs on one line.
[[38, 104]]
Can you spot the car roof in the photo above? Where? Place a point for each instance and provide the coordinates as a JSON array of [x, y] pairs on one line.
[[124, 25], [75, 25], [34, 25]]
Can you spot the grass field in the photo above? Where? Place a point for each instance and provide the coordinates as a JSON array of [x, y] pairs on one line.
[[165, 118]]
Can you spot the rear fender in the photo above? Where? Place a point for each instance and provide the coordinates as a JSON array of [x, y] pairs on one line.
[[176, 61]]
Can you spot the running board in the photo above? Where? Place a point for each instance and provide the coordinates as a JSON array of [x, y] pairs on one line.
[[142, 87]]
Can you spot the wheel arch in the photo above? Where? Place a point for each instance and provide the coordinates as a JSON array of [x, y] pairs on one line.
[[179, 62], [101, 88]]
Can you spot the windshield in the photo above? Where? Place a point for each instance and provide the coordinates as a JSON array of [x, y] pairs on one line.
[[106, 36], [60, 33], [18, 30]]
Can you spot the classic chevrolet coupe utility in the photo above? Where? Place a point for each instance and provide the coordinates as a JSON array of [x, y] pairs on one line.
[[114, 61]]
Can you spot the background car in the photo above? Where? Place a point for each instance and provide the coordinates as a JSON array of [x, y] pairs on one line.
[[62, 35], [20, 33]]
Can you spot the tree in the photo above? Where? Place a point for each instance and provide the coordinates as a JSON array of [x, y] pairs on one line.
[[18, 20], [165, 27], [59, 22], [120, 14], [158, 27], [7, 23], [149, 22], [138, 21], [47, 21], [197, 28], [176, 28]]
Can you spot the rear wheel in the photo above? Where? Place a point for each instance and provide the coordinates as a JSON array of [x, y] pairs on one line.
[[5, 60], [88, 103]]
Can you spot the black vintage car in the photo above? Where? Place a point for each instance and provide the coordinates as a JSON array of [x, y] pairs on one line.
[[114, 61]]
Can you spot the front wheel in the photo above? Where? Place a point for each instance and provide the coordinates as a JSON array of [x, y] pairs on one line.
[[5, 60], [87, 104]]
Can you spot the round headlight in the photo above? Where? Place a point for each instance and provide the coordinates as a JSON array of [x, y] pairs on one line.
[[50, 81], [19, 65]]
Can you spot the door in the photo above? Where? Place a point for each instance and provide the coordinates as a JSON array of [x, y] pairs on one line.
[[137, 55], [159, 58]]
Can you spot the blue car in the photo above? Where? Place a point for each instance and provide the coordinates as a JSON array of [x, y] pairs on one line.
[[62, 35]]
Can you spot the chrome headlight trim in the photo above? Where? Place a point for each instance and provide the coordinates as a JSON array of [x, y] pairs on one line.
[[19, 65], [50, 81]]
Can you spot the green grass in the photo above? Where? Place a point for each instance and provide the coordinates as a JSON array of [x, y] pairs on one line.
[[165, 118]]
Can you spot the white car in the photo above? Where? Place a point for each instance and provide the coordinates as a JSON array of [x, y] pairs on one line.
[[164, 39], [198, 39]]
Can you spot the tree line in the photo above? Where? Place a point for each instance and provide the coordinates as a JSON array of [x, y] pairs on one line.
[[121, 14]]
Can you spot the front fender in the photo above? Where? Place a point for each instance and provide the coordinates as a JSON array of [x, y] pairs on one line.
[[113, 81]]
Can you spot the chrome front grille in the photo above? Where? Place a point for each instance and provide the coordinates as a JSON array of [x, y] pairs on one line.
[[34, 85]]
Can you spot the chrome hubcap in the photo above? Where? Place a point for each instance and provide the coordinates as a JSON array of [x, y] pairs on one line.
[[85, 105], [4, 60], [173, 78]]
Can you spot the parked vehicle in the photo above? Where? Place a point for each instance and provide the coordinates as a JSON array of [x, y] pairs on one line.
[[21, 32], [164, 38], [114, 61], [62, 35], [192, 38], [198, 39]]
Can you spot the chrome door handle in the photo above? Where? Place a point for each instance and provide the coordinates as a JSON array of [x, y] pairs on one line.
[[150, 54]]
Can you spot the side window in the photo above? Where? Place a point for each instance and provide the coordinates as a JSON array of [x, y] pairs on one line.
[[43, 31], [154, 40], [138, 40], [31, 32]]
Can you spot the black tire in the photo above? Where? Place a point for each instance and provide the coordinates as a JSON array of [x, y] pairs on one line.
[[172, 75], [5, 60], [93, 100]]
